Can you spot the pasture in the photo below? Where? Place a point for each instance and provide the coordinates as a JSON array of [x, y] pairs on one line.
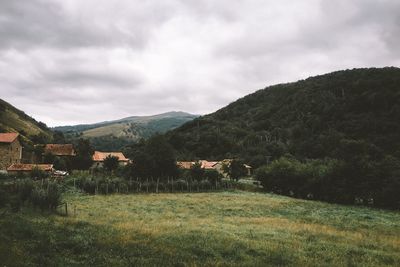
[[200, 229]]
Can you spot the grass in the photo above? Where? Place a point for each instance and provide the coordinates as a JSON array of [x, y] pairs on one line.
[[204, 229]]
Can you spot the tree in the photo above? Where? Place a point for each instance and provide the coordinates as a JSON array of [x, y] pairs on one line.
[[48, 158], [83, 159], [110, 163], [235, 169], [154, 158], [58, 137], [197, 172]]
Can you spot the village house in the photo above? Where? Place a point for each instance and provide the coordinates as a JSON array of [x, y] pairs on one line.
[[26, 169], [10, 150], [212, 165], [60, 150], [99, 157], [185, 165]]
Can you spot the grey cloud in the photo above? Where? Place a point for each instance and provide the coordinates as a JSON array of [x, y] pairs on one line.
[[67, 62]]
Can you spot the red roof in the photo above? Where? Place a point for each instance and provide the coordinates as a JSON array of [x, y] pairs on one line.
[[208, 164], [100, 156], [60, 149], [8, 137], [30, 167]]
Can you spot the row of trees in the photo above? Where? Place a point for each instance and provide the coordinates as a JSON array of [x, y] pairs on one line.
[[355, 181]]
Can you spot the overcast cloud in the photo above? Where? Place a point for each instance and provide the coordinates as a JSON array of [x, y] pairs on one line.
[[73, 61]]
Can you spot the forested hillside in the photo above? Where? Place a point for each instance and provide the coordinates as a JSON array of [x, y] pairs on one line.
[[15, 120], [312, 118], [334, 137]]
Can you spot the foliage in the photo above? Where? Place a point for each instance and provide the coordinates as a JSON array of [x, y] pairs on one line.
[[346, 115], [235, 169], [154, 158], [37, 173], [347, 182], [84, 151], [197, 172], [43, 194], [111, 163]]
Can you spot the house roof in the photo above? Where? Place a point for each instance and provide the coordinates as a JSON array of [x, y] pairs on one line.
[[60, 149], [30, 167], [185, 164], [208, 164], [8, 137], [100, 156]]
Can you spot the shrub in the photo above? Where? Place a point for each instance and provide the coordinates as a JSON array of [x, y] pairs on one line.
[[36, 173], [25, 188]]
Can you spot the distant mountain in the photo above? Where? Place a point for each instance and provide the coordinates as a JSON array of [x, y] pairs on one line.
[[15, 120], [312, 118], [117, 133]]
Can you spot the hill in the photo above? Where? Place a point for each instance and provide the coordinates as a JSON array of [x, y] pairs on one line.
[[312, 118], [15, 120], [118, 133]]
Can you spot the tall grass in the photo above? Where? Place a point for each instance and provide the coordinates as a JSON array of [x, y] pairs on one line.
[[204, 229]]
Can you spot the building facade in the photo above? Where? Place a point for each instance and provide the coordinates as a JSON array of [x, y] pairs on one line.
[[10, 150]]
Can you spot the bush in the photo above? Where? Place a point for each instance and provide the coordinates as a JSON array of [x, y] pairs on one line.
[[36, 173], [25, 188]]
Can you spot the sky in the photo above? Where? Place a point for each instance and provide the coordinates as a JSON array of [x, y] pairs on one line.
[[67, 62]]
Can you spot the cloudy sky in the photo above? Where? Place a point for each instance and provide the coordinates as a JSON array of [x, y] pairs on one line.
[[73, 61]]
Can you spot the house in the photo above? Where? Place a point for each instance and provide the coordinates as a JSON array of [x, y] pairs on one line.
[[212, 165], [18, 168], [99, 157], [60, 150], [186, 165], [219, 166], [207, 165], [10, 150]]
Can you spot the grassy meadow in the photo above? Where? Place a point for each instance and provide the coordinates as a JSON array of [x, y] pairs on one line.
[[202, 229]]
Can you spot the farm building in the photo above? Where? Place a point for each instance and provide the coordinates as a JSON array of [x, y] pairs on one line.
[[212, 165], [60, 150], [99, 157], [18, 168], [10, 150], [185, 165]]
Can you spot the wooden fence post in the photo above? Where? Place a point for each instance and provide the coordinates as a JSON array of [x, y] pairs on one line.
[[66, 209], [158, 180]]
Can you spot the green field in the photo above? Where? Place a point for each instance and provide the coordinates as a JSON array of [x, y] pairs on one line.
[[203, 229]]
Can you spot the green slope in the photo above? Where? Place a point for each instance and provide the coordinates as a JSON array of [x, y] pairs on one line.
[[118, 133], [308, 119], [15, 120]]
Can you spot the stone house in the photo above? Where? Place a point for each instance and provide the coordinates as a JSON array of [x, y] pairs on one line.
[[10, 150], [99, 157]]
